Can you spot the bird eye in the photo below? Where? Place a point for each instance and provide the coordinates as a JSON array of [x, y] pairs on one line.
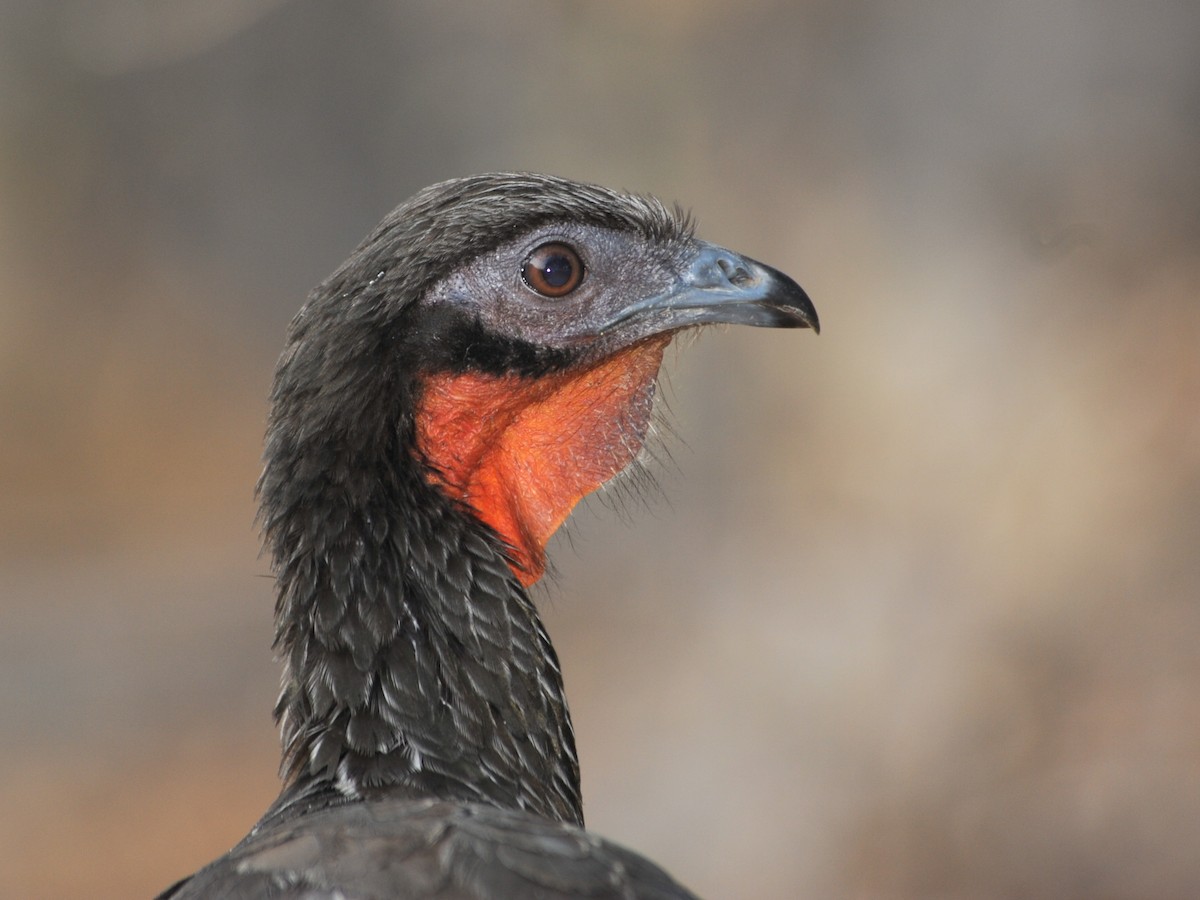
[[553, 270]]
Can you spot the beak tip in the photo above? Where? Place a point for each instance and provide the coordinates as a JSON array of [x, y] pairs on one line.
[[814, 321], [786, 294]]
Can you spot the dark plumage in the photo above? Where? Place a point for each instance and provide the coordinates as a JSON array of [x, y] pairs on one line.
[[483, 360]]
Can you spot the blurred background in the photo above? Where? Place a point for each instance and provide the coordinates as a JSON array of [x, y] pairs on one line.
[[918, 611]]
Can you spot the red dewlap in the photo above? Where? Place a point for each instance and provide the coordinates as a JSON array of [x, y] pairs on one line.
[[522, 451]]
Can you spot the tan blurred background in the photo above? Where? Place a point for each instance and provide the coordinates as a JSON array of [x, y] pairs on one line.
[[920, 613]]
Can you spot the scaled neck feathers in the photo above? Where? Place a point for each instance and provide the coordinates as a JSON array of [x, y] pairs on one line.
[[414, 661]]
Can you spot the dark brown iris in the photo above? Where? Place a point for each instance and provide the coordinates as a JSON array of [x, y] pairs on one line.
[[553, 269]]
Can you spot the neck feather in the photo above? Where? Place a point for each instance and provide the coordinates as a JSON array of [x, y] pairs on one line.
[[414, 660]]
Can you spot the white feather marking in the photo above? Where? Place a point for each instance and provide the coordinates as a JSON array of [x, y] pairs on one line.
[[414, 758], [344, 783]]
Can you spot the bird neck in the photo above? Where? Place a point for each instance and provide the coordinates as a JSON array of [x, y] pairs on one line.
[[414, 661], [522, 451]]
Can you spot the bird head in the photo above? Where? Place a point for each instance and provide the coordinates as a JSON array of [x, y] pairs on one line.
[[503, 334]]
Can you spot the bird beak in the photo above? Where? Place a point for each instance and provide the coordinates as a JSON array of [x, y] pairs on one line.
[[721, 286]]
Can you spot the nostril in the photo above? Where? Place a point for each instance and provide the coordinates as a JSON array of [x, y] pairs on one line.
[[734, 271]]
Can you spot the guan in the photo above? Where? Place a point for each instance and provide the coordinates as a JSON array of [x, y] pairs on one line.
[[483, 360]]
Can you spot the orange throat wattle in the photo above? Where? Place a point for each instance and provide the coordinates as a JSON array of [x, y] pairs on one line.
[[521, 452]]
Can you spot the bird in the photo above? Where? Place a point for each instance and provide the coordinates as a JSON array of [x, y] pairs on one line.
[[483, 360]]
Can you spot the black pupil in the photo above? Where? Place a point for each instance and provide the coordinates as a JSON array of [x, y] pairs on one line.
[[557, 270]]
